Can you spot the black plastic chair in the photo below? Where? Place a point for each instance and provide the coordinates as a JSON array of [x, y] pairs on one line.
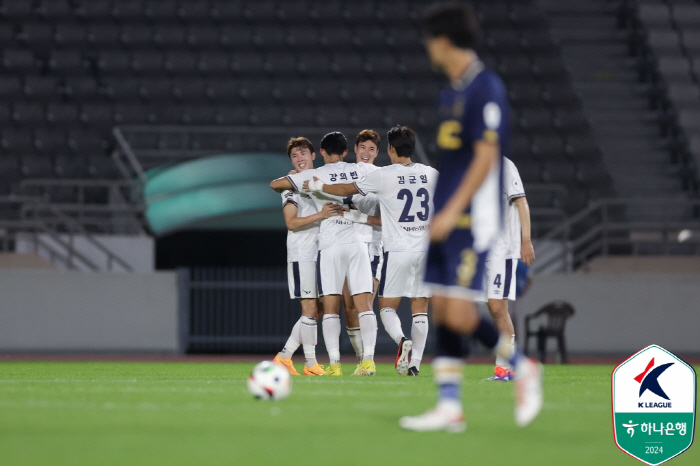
[[555, 315]]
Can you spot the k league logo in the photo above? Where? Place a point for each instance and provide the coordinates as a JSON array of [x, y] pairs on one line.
[[653, 404]]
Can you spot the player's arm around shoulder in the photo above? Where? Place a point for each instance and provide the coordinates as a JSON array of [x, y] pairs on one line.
[[527, 250]]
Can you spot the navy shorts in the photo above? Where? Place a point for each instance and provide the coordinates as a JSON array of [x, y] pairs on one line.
[[454, 269]]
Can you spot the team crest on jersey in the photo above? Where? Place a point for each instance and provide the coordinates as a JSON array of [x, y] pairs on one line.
[[653, 404]]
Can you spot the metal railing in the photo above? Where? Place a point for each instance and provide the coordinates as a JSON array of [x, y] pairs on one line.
[[180, 143], [604, 228]]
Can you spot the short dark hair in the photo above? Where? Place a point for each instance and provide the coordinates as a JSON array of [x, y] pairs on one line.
[[334, 143], [368, 135], [299, 142], [402, 139], [454, 20]]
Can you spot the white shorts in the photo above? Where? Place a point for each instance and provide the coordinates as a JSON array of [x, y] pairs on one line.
[[301, 277], [402, 275], [344, 262], [499, 279]]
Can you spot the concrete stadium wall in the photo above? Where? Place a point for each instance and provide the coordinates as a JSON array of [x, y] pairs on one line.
[[45, 310], [621, 312]]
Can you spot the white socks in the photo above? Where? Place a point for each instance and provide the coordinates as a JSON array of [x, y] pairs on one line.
[[293, 342], [392, 324], [356, 340], [331, 336], [504, 351], [419, 335], [308, 332], [368, 330]]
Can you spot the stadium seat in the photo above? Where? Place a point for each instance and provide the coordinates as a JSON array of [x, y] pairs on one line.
[[71, 166], [547, 147], [503, 41], [236, 37], [291, 91], [53, 9], [357, 91], [303, 38], [125, 10], [147, 62], [265, 115], [102, 166], [260, 11], [686, 15], [655, 15], [189, 90], [223, 90], [70, 34], [381, 65], [36, 166], [5, 113], [183, 62], [549, 68], [213, 63], [313, 64], [526, 17], [535, 120], [326, 12], [10, 87], [27, 113], [121, 89], [19, 61], [559, 94], [403, 38], [35, 34], [333, 116], [96, 114], [85, 142], [155, 89], [136, 35], [225, 11], [168, 114], [93, 9], [131, 114], [16, 10], [49, 140], [665, 43], [511, 67], [570, 121], [66, 61], [581, 147], [270, 38], [257, 92], [336, 38], [366, 116], [160, 10], [17, 141], [280, 64], [193, 10], [226, 115], [369, 38], [199, 115], [114, 62], [295, 13], [350, 64], [247, 63], [169, 35], [558, 171], [103, 35], [391, 92], [325, 91], [299, 115], [202, 36], [61, 114], [400, 115], [524, 93], [674, 69]]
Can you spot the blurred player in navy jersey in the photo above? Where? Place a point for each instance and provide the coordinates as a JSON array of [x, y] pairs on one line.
[[472, 137], [302, 218]]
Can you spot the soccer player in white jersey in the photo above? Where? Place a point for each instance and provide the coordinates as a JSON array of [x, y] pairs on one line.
[[366, 150], [405, 191], [343, 253], [513, 243], [302, 218]]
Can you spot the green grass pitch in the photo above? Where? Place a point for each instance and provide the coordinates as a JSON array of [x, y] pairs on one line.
[[148, 413]]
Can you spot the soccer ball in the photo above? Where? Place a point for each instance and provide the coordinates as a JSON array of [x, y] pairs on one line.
[[269, 381]]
